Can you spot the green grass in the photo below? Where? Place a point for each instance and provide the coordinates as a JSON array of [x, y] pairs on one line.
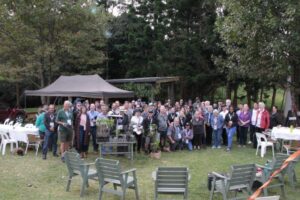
[[30, 177]]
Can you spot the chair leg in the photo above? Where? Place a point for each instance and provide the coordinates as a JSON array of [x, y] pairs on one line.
[[3, 150], [26, 148], [273, 151], [257, 149], [100, 192], [69, 183], [83, 186], [115, 186], [136, 189]]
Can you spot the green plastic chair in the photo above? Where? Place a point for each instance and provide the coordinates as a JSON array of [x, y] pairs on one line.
[[76, 166], [109, 172], [240, 178]]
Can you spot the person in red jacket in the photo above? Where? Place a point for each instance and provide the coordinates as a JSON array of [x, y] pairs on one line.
[[262, 121]]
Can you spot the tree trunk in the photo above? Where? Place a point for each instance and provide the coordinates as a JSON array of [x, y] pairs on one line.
[[17, 94], [235, 95], [248, 97], [228, 90], [261, 94], [42, 79], [273, 96]]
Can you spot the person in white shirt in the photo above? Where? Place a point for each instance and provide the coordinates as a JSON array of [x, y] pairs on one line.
[[223, 113], [137, 125], [253, 122]]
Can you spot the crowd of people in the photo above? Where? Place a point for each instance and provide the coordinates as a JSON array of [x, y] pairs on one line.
[[182, 125]]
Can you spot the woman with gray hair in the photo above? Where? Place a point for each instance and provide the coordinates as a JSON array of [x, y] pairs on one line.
[[262, 121], [216, 122]]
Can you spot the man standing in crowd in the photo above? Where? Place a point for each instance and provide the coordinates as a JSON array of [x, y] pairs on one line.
[[223, 113], [64, 119], [162, 120], [93, 114], [175, 135], [50, 132]]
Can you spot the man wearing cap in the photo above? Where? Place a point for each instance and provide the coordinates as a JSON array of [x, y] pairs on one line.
[[149, 123]]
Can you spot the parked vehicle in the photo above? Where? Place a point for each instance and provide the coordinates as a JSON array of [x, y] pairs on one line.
[[15, 114]]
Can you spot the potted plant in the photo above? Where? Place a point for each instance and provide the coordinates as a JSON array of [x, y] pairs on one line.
[[104, 126], [154, 145], [155, 150]]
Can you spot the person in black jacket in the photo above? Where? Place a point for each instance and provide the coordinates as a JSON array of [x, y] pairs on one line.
[[51, 132], [275, 118], [231, 122], [148, 123]]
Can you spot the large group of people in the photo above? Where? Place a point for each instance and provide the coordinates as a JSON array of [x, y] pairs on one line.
[[179, 125]]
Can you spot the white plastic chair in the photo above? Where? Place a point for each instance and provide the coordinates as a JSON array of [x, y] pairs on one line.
[[5, 139], [29, 126], [17, 124], [11, 123], [28, 139], [263, 143], [6, 121]]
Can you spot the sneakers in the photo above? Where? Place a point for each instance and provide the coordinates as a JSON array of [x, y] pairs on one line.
[[228, 150], [55, 155], [219, 147], [213, 147], [44, 156], [249, 142]]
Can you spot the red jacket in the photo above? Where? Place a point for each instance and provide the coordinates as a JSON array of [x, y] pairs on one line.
[[265, 120]]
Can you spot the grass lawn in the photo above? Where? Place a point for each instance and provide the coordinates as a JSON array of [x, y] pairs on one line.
[[30, 177]]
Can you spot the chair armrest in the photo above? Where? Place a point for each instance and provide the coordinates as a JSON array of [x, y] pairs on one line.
[[128, 171], [262, 166], [219, 175], [87, 164]]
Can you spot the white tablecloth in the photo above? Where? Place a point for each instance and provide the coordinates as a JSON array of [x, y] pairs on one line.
[[19, 133], [286, 133]]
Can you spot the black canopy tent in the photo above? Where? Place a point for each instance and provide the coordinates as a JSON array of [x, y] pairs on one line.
[[89, 86]]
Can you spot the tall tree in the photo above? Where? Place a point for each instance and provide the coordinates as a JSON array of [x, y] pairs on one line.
[[41, 39]]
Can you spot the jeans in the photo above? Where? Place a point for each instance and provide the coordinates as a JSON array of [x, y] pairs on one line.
[[189, 145], [230, 133], [50, 137], [217, 137], [93, 131]]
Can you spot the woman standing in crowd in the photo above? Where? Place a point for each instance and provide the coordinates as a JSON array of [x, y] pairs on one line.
[[244, 122], [137, 126], [262, 120], [198, 130], [231, 121], [216, 122], [82, 131]]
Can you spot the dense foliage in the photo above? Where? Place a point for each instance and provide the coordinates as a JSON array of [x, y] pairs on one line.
[[208, 43]]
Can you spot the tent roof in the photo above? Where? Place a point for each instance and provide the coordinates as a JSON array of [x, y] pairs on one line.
[[92, 86]]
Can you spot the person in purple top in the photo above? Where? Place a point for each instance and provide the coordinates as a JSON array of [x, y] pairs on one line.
[[244, 122]]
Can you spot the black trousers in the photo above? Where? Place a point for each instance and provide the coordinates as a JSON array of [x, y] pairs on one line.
[[139, 139], [208, 134], [243, 135], [199, 139], [252, 132]]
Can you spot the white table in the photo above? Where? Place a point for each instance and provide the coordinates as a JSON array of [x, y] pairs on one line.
[[19, 133], [286, 133]]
